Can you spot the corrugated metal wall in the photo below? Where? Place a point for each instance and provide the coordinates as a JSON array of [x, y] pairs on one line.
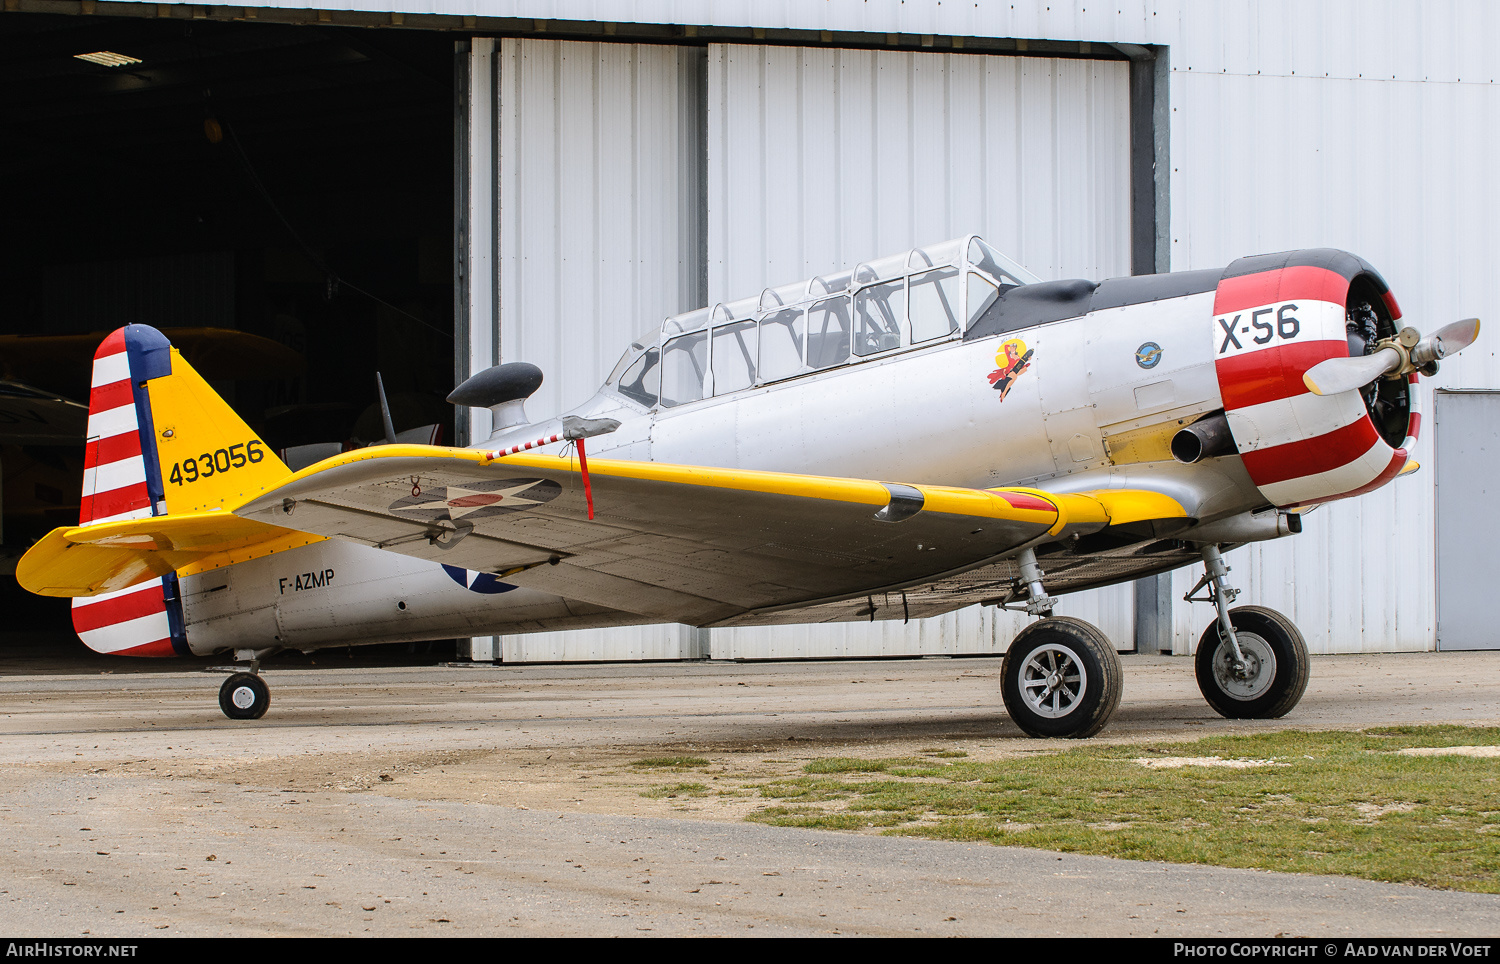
[[667, 642], [821, 158], [600, 235], [600, 226], [1368, 127]]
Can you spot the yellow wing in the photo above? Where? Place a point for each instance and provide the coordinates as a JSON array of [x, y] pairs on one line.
[[671, 542], [681, 543]]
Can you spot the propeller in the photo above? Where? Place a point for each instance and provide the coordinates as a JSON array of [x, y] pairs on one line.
[[1408, 351]]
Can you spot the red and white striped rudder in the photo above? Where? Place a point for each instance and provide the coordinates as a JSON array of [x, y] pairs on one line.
[[122, 480]]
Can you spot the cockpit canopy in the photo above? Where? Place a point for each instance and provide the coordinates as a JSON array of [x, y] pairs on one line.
[[904, 301]]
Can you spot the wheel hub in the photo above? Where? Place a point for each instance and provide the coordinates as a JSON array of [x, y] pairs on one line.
[[242, 697], [1251, 678], [1053, 680]]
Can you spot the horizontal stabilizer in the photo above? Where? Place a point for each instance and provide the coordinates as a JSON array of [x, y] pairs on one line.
[[92, 559]]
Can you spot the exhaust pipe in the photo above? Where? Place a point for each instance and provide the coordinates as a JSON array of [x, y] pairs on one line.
[[1203, 439], [1246, 527]]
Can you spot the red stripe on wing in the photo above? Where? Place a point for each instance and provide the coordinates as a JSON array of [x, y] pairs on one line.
[[1020, 500]]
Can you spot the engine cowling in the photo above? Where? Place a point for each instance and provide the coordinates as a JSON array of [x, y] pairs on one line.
[[1276, 316]]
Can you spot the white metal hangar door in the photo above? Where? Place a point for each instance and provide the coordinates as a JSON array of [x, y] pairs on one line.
[[599, 227], [599, 223], [821, 158], [1467, 453]]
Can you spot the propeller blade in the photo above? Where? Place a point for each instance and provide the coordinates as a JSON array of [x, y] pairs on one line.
[[1337, 375], [1447, 340]]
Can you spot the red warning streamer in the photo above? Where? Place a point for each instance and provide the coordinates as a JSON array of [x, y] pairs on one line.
[[583, 462]]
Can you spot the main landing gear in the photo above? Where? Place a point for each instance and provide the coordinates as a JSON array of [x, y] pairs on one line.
[[245, 696], [1252, 662], [1061, 676]]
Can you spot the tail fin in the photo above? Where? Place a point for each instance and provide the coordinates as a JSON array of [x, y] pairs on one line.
[[160, 441]]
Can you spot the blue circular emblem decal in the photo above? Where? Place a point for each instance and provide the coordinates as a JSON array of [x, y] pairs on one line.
[[483, 582], [1148, 355]]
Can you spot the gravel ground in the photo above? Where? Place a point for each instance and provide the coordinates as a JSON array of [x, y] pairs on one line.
[[500, 800]]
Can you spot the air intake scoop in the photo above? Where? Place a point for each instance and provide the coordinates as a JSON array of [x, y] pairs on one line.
[[503, 390]]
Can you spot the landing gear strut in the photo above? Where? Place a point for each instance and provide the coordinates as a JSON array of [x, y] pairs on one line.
[[245, 696], [1061, 675], [1252, 662]]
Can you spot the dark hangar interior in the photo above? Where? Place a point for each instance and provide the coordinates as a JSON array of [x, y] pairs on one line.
[[280, 195]]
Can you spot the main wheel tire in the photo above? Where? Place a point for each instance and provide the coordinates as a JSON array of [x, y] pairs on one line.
[[244, 696], [1061, 677], [1277, 668]]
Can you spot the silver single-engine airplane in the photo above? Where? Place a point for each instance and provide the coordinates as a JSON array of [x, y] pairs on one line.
[[925, 432]]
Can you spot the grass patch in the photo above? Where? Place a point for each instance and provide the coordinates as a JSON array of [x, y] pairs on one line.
[[676, 790], [849, 764], [822, 819], [671, 763], [804, 789], [1335, 803], [1444, 735]]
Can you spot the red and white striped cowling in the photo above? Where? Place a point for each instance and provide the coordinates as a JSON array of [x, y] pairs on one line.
[[1276, 316], [116, 486]]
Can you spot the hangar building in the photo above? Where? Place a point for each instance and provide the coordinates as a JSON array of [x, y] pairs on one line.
[[428, 187]]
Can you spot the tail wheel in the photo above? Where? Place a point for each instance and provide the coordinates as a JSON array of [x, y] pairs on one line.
[[1274, 675], [244, 696], [1061, 678]]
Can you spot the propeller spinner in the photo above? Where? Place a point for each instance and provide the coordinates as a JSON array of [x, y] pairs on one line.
[[1408, 351]]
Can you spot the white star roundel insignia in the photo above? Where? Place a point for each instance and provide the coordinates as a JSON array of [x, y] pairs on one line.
[[476, 500]]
